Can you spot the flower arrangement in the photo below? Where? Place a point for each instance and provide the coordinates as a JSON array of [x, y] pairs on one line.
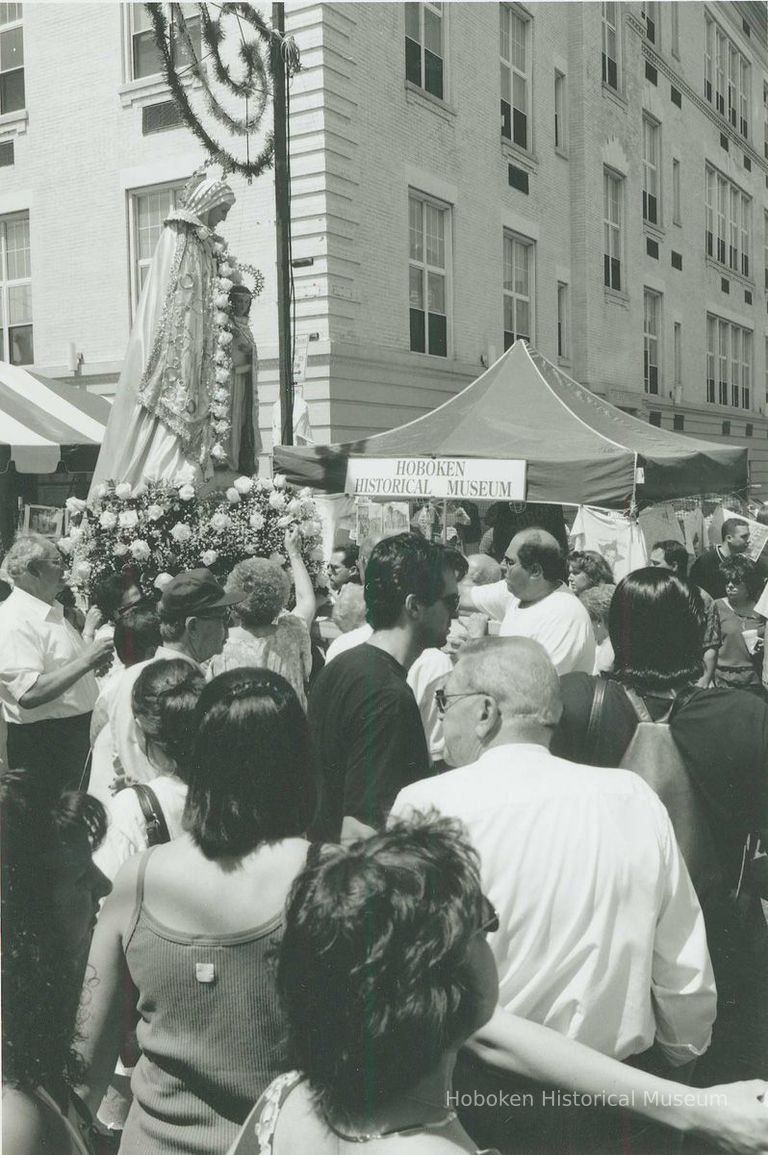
[[220, 409], [160, 528]]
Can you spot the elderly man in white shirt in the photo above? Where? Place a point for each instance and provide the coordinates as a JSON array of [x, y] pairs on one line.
[[532, 601], [601, 936], [47, 670]]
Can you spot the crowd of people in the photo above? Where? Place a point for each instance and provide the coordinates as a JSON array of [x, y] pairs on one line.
[[487, 872]]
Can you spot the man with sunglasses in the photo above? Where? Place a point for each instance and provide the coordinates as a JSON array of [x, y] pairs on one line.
[[368, 732], [194, 620], [601, 936]]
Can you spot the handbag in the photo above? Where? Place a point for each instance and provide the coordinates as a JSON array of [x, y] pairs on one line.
[[154, 819]]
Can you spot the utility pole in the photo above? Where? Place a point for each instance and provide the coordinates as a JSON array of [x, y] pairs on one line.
[[282, 226]]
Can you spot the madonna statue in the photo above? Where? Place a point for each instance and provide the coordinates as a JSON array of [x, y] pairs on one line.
[[178, 393]]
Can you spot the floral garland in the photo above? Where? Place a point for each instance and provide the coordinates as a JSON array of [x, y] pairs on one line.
[[254, 84], [160, 528], [220, 408]]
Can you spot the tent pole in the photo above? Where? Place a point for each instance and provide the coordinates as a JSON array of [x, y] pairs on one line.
[[445, 516]]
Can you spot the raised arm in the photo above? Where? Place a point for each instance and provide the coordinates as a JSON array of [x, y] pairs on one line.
[[306, 604]]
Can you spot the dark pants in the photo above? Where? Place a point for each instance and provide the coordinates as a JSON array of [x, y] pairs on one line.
[[56, 749], [522, 1117]]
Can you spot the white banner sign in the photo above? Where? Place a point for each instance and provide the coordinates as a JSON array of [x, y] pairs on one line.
[[476, 478]]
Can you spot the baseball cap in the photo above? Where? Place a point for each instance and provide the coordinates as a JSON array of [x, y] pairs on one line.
[[193, 592]]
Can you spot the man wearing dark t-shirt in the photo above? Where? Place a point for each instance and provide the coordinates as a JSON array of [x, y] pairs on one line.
[[368, 735], [705, 571]]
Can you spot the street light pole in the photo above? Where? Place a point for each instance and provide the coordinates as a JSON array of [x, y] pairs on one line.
[[282, 226]]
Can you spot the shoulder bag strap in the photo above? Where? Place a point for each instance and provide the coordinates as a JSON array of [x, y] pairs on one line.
[[154, 819], [595, 718], [639, 706]]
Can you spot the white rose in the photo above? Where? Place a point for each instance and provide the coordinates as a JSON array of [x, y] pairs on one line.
[[279, 481], [221, 395], [256, 520], [305, 492], [221, 300], [284, 521], [187, 492], [225, 284], [64, 545], [222, 375], [221, 428], [181, 532], [243, 484], [155, 512], [76, 505], [276, 500], [220, 521], [317, 554], [101, 490], [294, 505], [123, 490], [140, 550], [219, 247], [140, 489], [220, 317], [128, 519], [82, 571], [225, 338], [108, 519], [218, 452], [233, 497], [161, 581], [75, 534], [121, 549], [209, 557], [185, 475]]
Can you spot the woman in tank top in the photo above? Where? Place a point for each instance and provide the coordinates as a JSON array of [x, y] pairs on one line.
[[192, 926], [50, 895]]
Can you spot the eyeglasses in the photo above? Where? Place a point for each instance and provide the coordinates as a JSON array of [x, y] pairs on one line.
[[442, 699], [489, 919]]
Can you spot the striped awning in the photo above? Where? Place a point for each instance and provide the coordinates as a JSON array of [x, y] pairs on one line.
[[43, 422]]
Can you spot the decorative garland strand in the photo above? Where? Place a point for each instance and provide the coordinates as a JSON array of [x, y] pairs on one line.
[[229, 163]]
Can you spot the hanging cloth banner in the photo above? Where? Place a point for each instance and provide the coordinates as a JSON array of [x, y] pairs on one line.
[[483, 479], [615, 537]]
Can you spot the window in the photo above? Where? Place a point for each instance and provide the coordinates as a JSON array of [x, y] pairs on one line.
[[518, 289], [424, 54], [561, 136], [15, 291], [674, 12], [651, 329], [729, 364], [145, 58], [728, 228], [654, 418], [563, 336], [726, 429], [765, 250], [651, 190], [677, 353], [148, 210], [428, 225], [610, 44], [678, 422], [612, 223], [676, 217], [515, 76], [765, 120], [727, 79], [11, 59], [650, 14]]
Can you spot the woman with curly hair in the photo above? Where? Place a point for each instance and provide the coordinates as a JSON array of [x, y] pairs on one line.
[[587, 569], [192, 927], [267, 636], [50, 896], [384, 972], [740, 627]]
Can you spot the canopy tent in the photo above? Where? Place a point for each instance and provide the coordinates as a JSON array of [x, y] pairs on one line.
[[579, 449], [43, 422]]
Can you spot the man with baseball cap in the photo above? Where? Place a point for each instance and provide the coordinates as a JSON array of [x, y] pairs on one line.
[[194, 616]]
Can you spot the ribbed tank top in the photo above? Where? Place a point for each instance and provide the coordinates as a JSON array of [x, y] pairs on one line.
[[211, 1032]]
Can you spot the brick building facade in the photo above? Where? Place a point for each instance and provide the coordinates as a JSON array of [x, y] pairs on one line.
[[591, 176]]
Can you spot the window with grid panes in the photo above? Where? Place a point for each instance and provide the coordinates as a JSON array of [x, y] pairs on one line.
[[727, 77], [424, 49], [651, 197], [729, 363], [12, 97], [518, 289], [148, 212], [145, 58], [515, 76], [650, 12], [613, 192], [651, 343], [728, 216], [610, 54], [428, 226], [16, 344], [674, 13], [676, 217]]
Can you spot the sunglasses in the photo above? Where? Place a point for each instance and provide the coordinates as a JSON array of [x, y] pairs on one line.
[[489, 919]]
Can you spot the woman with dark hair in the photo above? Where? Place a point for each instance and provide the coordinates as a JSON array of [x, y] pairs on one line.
[[656, 625], [587, 569], [164, 698], [741, 627], [193, 925], [384, 972], [50, 895]]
